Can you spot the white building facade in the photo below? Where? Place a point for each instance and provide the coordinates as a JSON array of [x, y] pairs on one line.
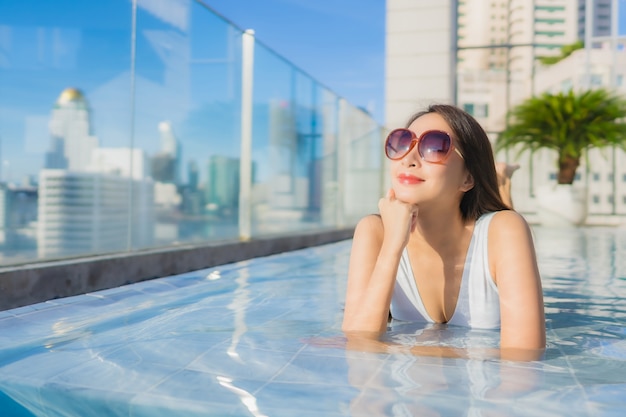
[[91, 199], [497, 67]]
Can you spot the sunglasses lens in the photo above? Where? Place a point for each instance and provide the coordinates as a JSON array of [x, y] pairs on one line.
[[398, 143], [434, 146]]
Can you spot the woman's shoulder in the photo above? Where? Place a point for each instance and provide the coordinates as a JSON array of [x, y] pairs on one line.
[[508, 226], [371, 223], [369, 229], [508, 218]]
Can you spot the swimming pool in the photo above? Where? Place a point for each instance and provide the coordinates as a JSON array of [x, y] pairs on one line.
[[262, 338]]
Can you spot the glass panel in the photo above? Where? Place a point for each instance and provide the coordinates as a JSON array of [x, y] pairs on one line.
[[64, 94], [285, 140], [187, 85], [118, 135], [363, 161]]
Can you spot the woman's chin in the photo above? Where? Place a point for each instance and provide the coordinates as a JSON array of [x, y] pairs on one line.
[[405, 196]]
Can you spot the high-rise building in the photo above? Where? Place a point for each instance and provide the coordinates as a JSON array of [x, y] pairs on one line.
[[222, 187], [166, 163], [601, 18], [500, 43], [125, 162], [193, 198], [70, 131], [88, 212], [18, 216], [91, 199]]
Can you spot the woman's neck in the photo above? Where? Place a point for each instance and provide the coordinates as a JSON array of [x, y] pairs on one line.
[[439, 228]]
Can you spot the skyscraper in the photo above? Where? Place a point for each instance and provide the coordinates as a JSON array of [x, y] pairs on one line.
[[601, 22], [166, 163], [70, 131], [91, 199], [222, 187], [497, 66]]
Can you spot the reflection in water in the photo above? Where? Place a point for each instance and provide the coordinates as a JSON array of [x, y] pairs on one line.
[[413, 385], [584, 366], [238, 306], [247, 399]]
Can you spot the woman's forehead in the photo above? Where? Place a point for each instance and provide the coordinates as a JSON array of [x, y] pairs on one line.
[[430, 121]]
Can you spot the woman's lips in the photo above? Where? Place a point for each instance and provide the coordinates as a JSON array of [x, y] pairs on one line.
[[409, 179]]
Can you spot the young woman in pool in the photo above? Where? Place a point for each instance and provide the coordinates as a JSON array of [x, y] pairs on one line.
[[445, 247]]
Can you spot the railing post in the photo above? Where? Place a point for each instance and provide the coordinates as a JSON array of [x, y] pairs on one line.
[[245, 163], [343, 137]]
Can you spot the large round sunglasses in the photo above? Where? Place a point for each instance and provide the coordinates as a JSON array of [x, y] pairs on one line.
[[433, 146]]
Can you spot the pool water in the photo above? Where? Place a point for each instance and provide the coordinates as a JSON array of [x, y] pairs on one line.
[[262, 338]]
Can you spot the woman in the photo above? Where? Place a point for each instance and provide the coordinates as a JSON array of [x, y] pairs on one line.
[[445, 248]]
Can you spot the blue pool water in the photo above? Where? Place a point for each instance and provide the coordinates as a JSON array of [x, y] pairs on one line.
[[262, 338]]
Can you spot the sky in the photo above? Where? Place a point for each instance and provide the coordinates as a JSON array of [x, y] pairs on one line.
[[50, 45], [339, 43]]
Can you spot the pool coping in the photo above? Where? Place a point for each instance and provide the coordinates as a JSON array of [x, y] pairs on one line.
[[38, 282]]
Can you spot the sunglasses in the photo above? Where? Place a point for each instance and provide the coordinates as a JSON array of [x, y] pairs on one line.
[[434, 146]]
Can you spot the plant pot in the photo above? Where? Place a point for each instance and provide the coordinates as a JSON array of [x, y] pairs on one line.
[[561, 205]]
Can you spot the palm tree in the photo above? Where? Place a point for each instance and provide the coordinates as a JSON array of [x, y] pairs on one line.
[[569, 123], [566, 50]]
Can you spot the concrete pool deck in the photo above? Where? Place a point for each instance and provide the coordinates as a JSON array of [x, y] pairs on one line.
[[41, 281]]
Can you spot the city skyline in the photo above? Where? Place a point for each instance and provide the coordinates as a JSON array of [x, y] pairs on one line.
[[48, 44]]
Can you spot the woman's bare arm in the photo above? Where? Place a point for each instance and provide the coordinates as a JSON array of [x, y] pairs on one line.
[[376, 250], [516, 274], [371, 279]]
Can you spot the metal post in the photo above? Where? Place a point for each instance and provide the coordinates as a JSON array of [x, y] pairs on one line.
[[245, 164], [454, 49], [131, 145], [588, 36], [614, 43], [612, 85], [343, 137]]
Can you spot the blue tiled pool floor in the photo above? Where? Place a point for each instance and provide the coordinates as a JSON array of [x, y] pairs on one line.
[[262, 338]]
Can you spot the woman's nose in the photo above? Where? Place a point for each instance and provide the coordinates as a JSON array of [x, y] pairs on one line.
[[412, 157]]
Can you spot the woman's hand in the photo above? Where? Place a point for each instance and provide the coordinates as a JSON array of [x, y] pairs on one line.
[[399, 219]]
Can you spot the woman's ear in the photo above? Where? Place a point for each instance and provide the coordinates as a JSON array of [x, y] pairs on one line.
[[468, 182]]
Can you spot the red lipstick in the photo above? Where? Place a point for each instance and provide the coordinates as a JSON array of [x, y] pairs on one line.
[[409, 179]]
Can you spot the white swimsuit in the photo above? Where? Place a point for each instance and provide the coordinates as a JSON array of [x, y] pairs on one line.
[[478, 305]]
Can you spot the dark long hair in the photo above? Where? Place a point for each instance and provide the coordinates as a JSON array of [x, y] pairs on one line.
[[477, 152]]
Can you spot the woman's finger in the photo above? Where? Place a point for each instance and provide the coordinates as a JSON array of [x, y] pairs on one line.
[[413, 221]]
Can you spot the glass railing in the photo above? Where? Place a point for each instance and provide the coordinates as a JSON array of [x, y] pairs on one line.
[[128, 125]]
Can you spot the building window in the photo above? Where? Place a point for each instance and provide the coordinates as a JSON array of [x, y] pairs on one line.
[[596, 176], [552, 176], [481, 110], [548, 46], [596, 79], [550, 21], [550, 8], [477, 110], [595, 199], [610, 199], [566, 85], [548, 33], [624, 199]]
